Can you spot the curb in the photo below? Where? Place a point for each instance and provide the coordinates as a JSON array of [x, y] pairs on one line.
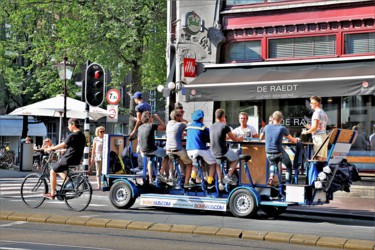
[[330, 213], [211, 231]]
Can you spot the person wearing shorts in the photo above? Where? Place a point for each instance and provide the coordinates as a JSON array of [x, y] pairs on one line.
[[318, 128], [74, 143], [198, 135], [218, 134], [146, 143], [175, 130]]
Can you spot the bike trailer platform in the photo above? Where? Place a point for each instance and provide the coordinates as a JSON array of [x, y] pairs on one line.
[[183, 201]]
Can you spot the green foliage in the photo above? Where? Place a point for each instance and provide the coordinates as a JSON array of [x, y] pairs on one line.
[[121, 35]]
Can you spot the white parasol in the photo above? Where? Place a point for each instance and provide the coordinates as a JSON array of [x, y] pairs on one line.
[[54, 107]]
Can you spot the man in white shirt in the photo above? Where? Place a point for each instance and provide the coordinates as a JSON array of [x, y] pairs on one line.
[[245, 130]]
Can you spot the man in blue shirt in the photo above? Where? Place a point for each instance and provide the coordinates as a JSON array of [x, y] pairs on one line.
[[196, 144], [275, 152], [139, 109]]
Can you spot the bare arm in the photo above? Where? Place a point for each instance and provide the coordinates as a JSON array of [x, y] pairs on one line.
[[233, 137], [161, 123], [262, 136], [292, 139], [58, 146], [313, 127], [93, 153], [138, 123]]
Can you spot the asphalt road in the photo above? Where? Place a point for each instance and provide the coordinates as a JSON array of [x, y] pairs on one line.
[[23, 235], [100, 207]]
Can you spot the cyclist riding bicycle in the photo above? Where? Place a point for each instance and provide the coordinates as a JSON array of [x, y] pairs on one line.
[[74, 144]]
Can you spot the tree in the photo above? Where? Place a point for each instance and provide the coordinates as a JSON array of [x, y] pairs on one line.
[[122, 35]]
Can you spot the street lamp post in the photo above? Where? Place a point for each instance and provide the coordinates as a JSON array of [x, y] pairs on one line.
[[65, 70]]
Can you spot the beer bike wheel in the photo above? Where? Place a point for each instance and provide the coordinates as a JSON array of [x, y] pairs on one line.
[[32, 189], [120, 195], [78, 195], [242, 203]]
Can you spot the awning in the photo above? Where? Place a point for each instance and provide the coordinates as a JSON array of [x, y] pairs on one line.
[[279, 80], [13, 127]]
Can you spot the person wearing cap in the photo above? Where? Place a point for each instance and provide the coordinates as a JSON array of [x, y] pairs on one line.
[[218, 134], [139, 109], [74, 143], [198, 135]]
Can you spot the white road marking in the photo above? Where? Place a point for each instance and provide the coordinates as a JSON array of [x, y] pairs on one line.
[[55, 245], [13, 223]]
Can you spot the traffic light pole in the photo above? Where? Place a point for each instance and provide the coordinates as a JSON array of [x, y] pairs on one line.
[[86, 151], [88, 142], [94, 95]]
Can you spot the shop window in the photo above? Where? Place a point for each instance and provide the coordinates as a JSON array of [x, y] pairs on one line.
[[244, 51], [302, 47], [360, 43]]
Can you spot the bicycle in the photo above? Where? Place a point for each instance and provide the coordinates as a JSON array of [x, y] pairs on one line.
[[75, 190], [6, 156]]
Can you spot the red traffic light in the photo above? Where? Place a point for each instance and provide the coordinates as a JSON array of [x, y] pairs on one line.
[[98, 74]]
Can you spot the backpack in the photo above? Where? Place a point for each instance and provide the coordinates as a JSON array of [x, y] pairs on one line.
[[129, 158], [116, 164]]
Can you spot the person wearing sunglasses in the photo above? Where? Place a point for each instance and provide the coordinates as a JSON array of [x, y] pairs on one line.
[[97, 154], [180, 109]]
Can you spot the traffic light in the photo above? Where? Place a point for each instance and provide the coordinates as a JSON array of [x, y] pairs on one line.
[[95, 84], [82, 86]]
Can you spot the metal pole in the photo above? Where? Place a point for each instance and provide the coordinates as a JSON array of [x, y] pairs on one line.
[[88, 143], [86, 151], [65, 94]]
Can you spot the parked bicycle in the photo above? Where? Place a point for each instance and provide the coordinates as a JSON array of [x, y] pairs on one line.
[[75, 190], [6, 155]]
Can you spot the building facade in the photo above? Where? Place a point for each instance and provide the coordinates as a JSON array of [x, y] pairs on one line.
[[259, 56]]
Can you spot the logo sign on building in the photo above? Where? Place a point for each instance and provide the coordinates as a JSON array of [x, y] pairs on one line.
[[189, 67], [192, 23], [113, 96], [113, 113]]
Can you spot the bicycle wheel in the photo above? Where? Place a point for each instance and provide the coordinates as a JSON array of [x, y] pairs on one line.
[[8, 160], [78, 198], [32, 189]]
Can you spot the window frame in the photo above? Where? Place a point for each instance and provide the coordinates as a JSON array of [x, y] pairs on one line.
[[267, 56], [227, 46], [354, 32]]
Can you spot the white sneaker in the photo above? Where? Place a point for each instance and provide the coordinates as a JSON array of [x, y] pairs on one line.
[[221, 186], [229, 180]]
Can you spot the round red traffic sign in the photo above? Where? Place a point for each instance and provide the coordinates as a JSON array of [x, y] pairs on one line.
[[113, 96], [112, 113]]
